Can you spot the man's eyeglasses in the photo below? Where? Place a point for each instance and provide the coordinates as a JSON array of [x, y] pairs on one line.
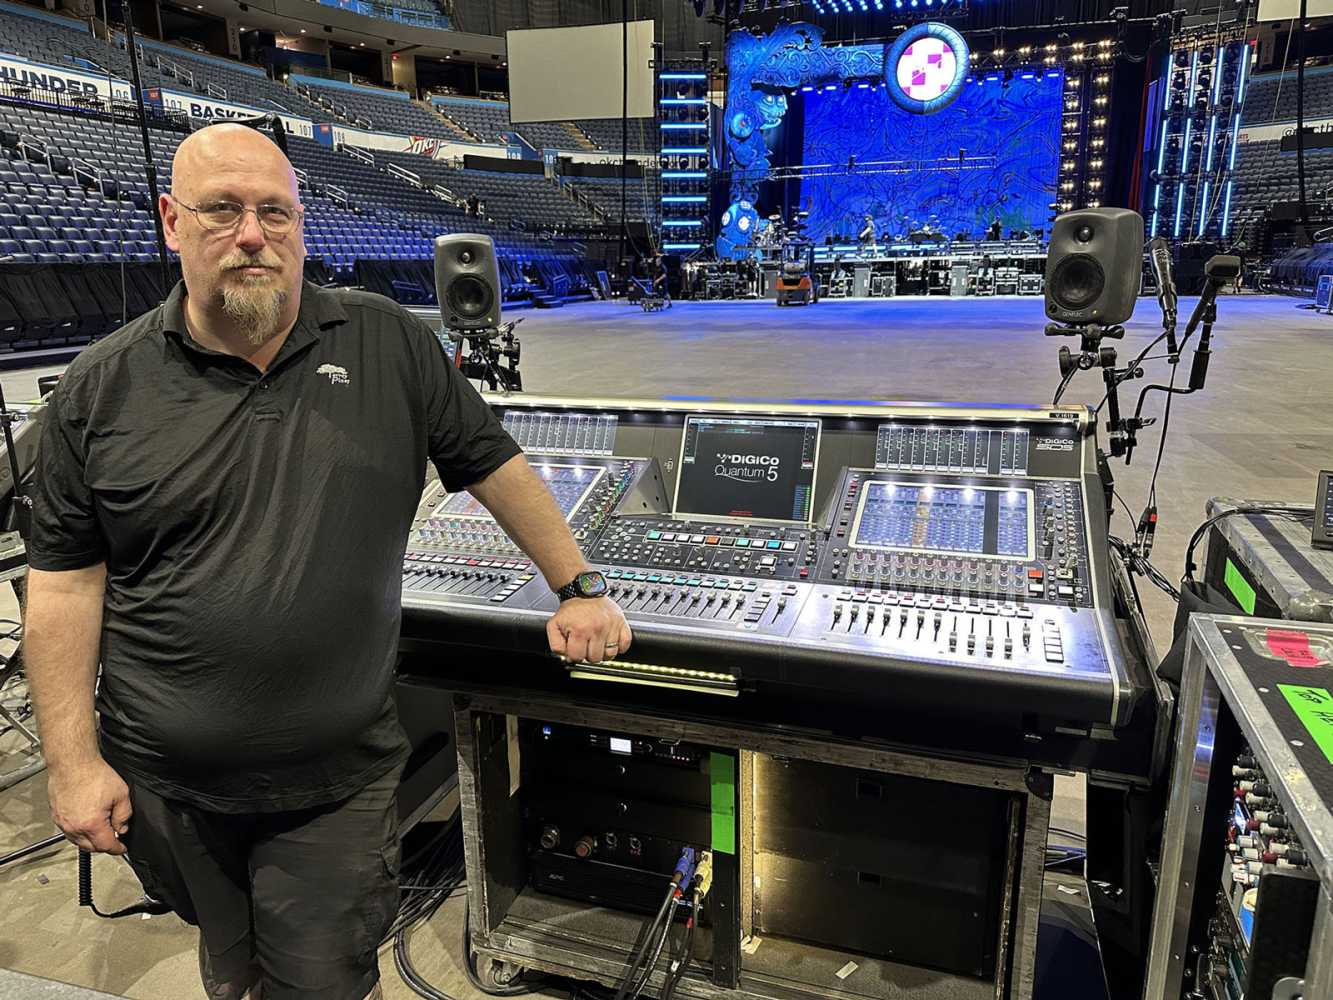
[[220, 216]]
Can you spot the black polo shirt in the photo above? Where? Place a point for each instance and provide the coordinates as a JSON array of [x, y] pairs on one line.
[[253, 526]]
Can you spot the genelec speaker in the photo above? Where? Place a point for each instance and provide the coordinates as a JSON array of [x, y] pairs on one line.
[[467, 281], [1094, 266]]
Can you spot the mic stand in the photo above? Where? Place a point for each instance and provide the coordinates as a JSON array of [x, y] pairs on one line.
[[22, 502], [150, 169], [1093, 354], [482, 361]]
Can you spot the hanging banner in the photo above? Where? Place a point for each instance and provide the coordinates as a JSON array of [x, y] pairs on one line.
[[60, 79], [211, 109], [1280, 130], [324, 134]]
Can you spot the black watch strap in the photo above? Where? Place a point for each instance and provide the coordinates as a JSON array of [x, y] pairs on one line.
[[587, 584]]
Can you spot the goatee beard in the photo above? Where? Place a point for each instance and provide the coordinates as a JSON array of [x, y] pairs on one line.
[[255, 310]]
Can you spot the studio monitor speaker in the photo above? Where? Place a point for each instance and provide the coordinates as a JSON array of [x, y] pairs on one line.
[[467, 281], [1094, 266]]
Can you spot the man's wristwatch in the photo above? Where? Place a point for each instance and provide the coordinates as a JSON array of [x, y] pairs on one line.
[[589, 584]]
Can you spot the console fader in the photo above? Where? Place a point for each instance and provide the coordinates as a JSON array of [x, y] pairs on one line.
[[953, 546]]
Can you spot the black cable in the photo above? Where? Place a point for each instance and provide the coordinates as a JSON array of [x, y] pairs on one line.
[[624, 123], [638, 953], [1300, 114], [687, 951], [642, 983], [1064, 384], [1297, 511], [1161, 438]]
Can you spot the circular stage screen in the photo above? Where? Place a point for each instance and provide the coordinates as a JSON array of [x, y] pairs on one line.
[[925, 68]]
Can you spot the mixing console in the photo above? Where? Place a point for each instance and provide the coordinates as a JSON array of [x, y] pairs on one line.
[[719, 547], [457, 549], [1019, 542], [952, 547]]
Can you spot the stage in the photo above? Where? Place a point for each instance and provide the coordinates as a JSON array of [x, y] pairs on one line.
[[1261, 428]]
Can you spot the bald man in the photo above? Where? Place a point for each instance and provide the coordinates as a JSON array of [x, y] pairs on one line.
[[225, 490]]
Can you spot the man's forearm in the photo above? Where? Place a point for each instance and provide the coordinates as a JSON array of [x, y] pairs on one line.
[[62, 630], [527, 512]]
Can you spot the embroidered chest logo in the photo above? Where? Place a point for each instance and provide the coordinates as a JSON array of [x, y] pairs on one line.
[[337, 374]]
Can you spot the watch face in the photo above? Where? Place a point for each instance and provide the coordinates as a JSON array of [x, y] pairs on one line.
[[592, 584]]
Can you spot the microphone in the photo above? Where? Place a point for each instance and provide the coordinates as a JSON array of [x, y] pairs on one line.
[[1159, 252]]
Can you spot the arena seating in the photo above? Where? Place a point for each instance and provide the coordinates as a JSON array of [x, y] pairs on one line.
[[377, 109], [481, 121], [78, 249], [229, 79], [74, 187], [55, 39], [525, 201], [487, 121], [419, 12], [1271, 97], [1265, 175], [605, 194], [605, 134]]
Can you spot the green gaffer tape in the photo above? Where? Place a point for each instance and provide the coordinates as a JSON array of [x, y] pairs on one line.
[[1314, 707], [1240, 589], [722, 769]]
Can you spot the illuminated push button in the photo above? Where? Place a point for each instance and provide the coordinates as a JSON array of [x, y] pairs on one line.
[[654, 535], [742, 543], [697, 539], [712, 540], [789, 546], [773, 543]]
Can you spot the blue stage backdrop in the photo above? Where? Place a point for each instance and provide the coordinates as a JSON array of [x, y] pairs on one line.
[[906, 165], [908, 171]]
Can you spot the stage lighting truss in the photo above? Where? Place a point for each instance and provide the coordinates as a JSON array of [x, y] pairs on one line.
[[685, 142], [1196, 125]]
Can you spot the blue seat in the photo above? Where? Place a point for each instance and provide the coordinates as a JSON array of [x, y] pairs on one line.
[[47, 258], [33, 246], [21, 233], [8, 247], [108, 247], [69, 233], [81, 246], [44, 233]]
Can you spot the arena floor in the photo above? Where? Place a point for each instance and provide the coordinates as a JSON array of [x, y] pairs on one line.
[[1261, 429]]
